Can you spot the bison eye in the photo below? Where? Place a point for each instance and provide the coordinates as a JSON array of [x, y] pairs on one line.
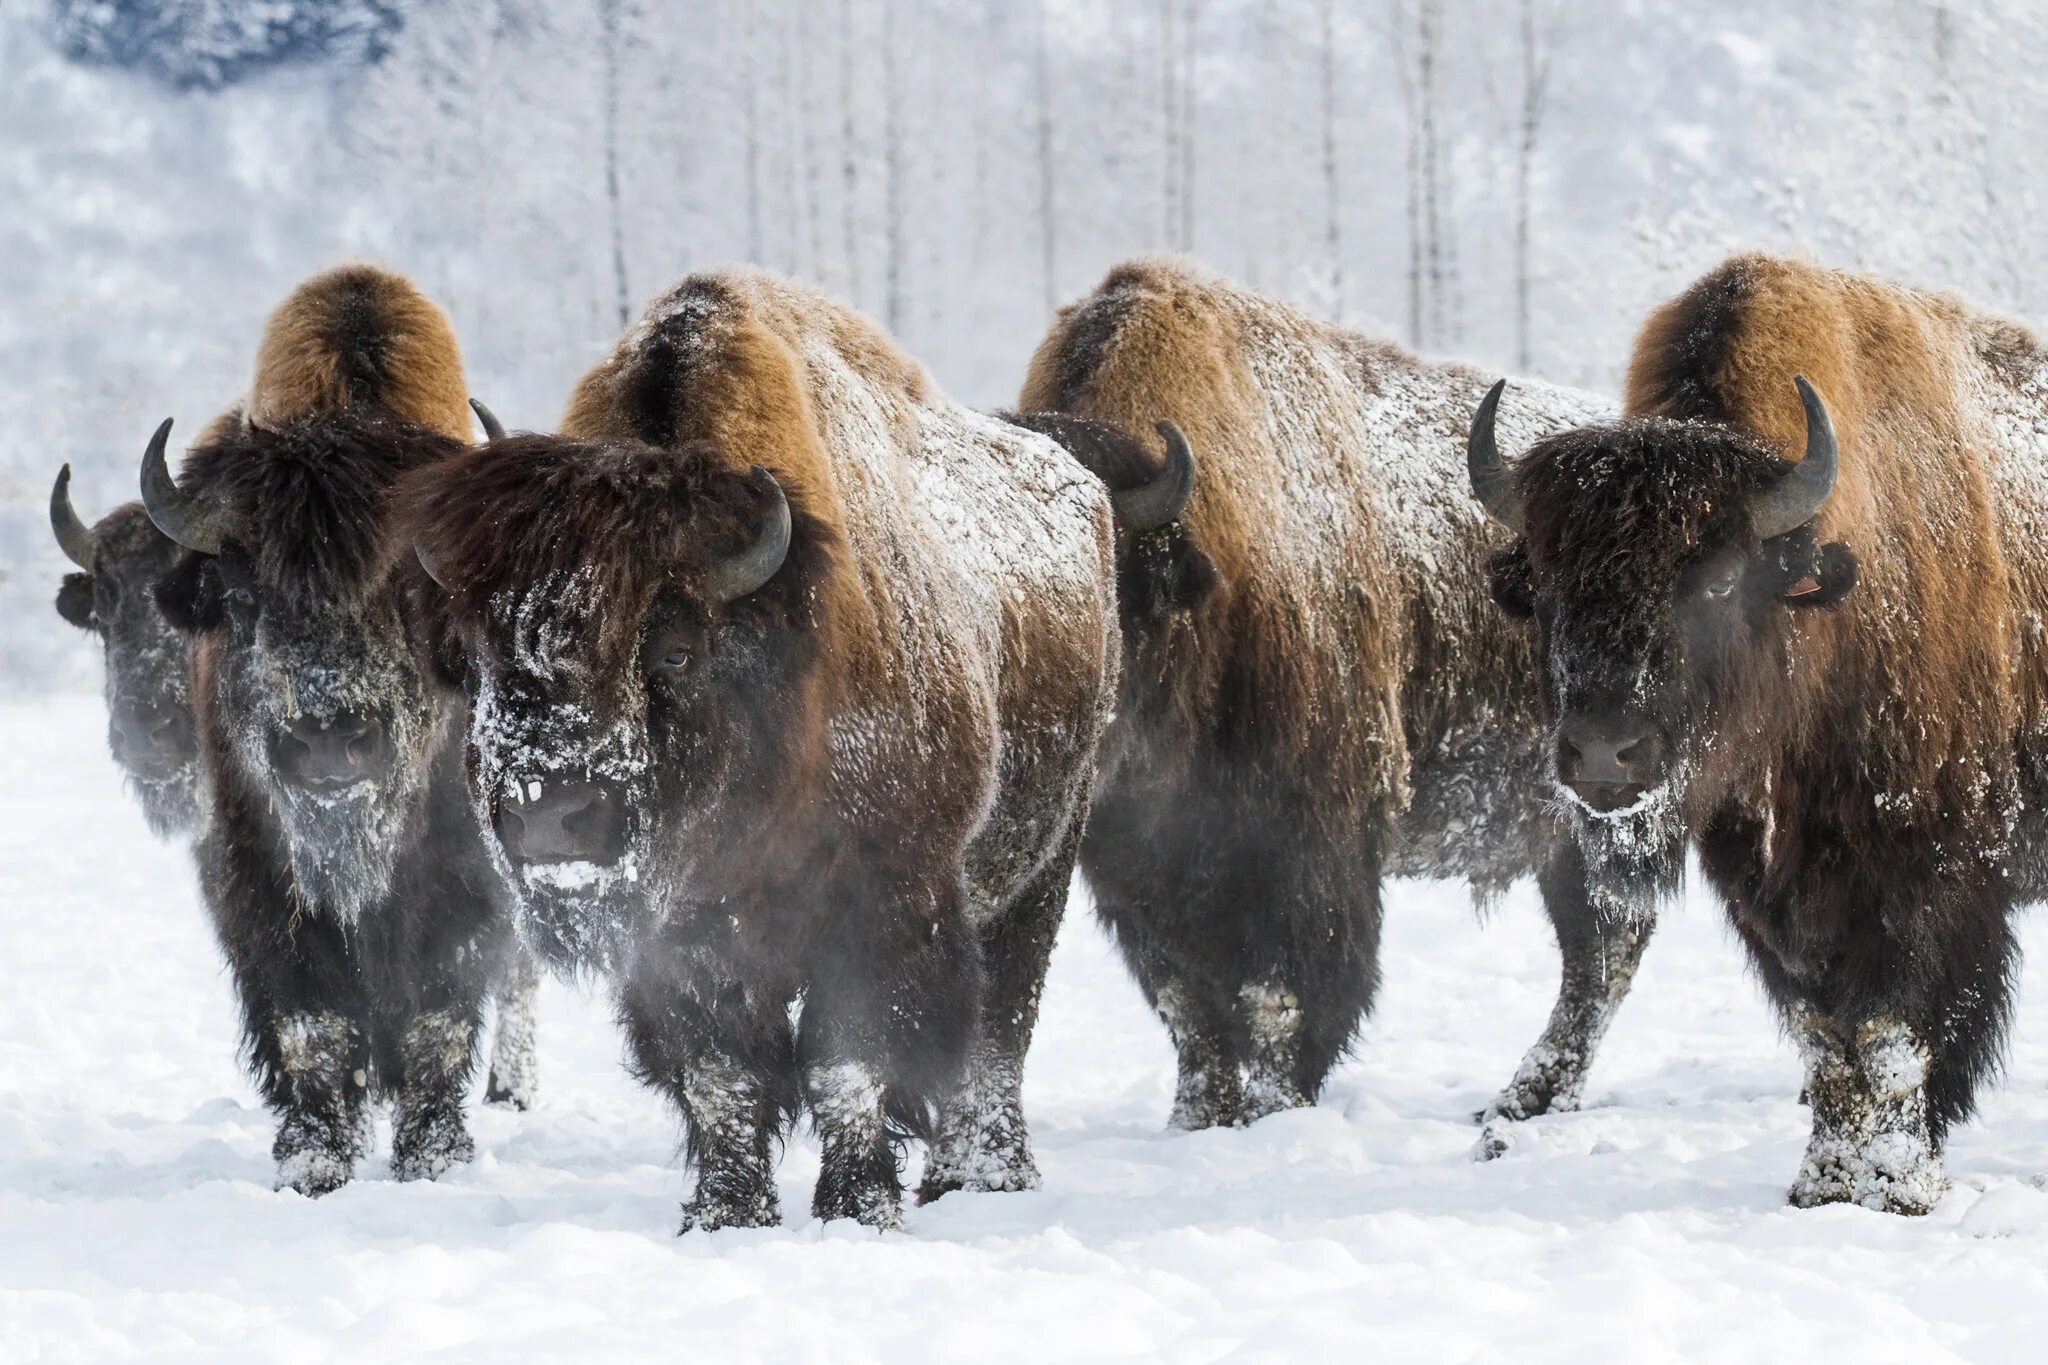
[[1720, 588], [675, 658]]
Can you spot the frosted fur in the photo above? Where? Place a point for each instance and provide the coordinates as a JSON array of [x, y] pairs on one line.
[[1833, 693], [847, 799], [1336, 699]]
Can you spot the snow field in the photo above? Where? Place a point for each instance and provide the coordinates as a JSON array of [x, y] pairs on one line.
[[137, 1219]]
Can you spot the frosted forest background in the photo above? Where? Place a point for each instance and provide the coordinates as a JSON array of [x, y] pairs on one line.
[[1513, 181]]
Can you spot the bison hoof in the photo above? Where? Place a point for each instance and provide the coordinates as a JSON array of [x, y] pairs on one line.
[[1891, 1173], [507, 1094], [1272, 1097], [710, 1212], [313, 1172], [983, 1174], [876, 1203], [429, 1158], [1547, 1082], [1495, 1141]]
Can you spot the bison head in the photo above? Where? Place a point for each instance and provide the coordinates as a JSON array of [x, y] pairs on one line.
[[638, 627], [149, 702], [313, 669], [1163, 574], [1659, 560]]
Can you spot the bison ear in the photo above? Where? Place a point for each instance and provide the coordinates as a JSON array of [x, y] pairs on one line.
[[74, 600], [189, 594], [1507, 578], [1833, 577]]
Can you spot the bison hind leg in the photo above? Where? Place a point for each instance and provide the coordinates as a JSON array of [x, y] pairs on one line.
[[859, 1176], [983, 1143], [514, 1080]]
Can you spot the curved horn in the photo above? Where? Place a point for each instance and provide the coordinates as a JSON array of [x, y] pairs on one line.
[[426, 560], [174, 514], [1163, 497], [737, 575], [494, 430], [73, 536], [1493, 479], [1793, 499]]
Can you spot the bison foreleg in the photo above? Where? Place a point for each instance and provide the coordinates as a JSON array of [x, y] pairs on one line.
[[515, 1071], [1872, 1143], [437, 1051], [716, 1062], [319, 1085], [983, 1143], [1600, 953]]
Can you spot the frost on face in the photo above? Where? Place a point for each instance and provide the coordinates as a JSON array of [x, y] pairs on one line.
[[533, 724], [343, 845]]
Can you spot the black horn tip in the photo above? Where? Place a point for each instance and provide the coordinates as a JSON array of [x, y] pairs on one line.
[[73, 536], [494, 430]]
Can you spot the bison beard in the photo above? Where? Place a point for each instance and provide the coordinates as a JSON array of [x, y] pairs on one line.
[[343, 869], [1316, 693], [1844, 757], [798, 761]]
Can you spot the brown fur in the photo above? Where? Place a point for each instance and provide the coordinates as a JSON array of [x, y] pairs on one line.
[[1333, 674], [360, 333], [1316, 690], [1935, 644]]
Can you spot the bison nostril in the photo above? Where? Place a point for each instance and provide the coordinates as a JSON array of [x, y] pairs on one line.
[[331, 755], [562, 821]]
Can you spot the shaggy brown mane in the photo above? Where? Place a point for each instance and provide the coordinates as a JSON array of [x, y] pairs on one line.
[[623, 522], [308, 499], [1913, 498]]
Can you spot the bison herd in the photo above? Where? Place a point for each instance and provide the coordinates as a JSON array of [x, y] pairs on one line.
[[784, 694]]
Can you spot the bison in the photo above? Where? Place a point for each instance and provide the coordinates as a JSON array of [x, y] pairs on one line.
[[149, 712], [1788, 611], [1316, 692], [788, 678], [348, 883], [149, 705]]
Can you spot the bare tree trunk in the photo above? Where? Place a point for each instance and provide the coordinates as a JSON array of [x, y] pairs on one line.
[[608, 21], [848, 164], [1428, 43], [750, 41], [789, 41], [1188, 114], [1535, 86], [1417, 247], [893, 135], [1333, 245], [1048, 232], [1169, 124]]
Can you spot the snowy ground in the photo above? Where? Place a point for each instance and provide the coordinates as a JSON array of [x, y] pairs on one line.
[[137, 1219]]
